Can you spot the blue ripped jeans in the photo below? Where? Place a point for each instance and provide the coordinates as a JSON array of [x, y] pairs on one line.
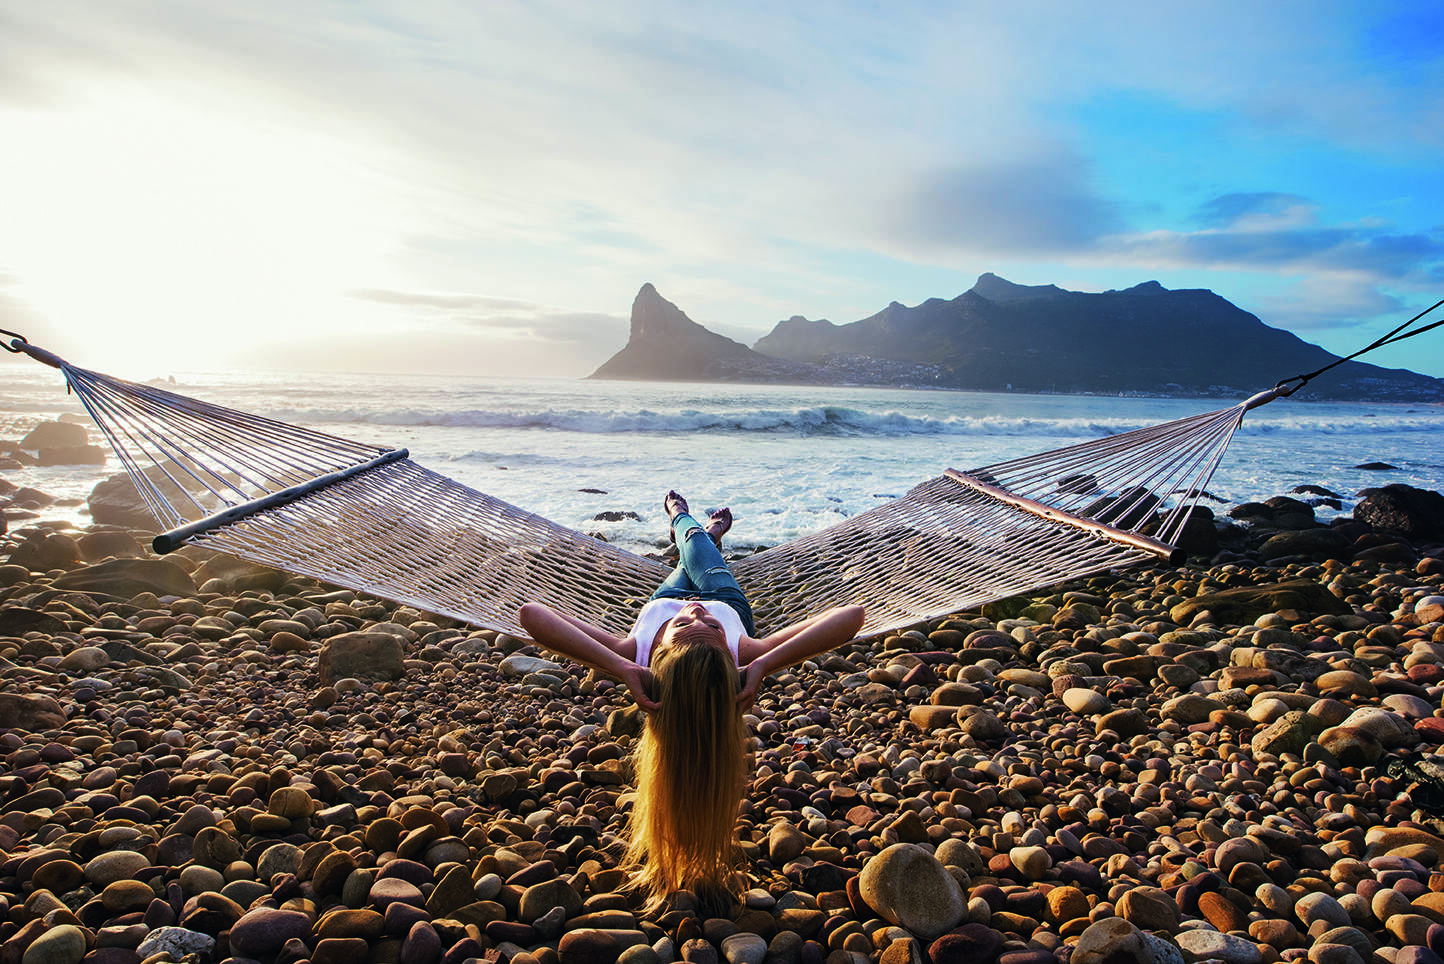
[[702, 573]]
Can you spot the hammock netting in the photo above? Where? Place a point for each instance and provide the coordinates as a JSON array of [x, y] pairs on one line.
[[369, 518]]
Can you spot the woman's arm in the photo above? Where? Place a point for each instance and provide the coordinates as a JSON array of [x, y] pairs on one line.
[[588, 645], [799, 642], [626, 648]]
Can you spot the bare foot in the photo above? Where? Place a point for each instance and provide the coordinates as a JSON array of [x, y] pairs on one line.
[[675, 504], [718, 523]]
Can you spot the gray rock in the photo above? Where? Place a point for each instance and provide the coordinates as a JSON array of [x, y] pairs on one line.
[[744, 949], [177, 942], [954, 852], [519, 665], [1162, 951], [540, 898], [281, 858], [71, 455], [550, 924], [639, 954], [1206, 945]]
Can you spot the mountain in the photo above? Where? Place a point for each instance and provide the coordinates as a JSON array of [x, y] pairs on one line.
[[666, 345], [1001, 336]]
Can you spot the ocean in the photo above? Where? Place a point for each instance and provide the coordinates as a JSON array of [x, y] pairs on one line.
[[787, 459]]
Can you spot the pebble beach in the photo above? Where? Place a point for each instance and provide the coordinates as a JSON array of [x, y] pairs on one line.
[[204, 760]]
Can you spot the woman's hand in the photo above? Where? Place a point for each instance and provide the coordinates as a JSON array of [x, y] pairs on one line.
[[639, 684], [752, 677]]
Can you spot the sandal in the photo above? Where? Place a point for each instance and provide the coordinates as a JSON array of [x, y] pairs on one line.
[[718, 525], [674, 505]]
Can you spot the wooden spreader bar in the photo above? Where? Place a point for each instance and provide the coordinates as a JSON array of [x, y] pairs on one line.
[[175, 538]]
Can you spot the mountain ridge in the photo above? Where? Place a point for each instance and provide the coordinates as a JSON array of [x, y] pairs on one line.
[[1002, 336]]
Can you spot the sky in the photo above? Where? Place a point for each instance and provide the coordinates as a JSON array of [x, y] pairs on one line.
[[481, 187]]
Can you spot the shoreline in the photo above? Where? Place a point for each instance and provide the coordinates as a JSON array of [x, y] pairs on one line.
[[242, 754]]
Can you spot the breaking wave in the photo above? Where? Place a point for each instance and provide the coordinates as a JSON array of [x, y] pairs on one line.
[[832, 420]]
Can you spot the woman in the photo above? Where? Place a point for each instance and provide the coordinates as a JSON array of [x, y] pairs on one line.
[[693, 662]]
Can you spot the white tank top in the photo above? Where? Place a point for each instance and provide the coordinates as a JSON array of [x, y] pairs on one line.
[[658, 611]]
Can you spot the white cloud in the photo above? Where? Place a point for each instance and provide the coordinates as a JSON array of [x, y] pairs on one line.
[[744, 157]]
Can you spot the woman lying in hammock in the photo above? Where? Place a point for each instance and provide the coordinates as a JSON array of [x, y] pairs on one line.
[[693, 663]]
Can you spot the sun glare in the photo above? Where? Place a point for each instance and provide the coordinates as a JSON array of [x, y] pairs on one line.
[[154, 229]]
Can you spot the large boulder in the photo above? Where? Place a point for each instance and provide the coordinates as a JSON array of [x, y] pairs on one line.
[[130, 577], [19, 711], [1352, 746], [1111, 940], [1289, 733], [71, 455], [1203, 944], [226, 573], [53, 551], [910, 888], [1393, 731], [1243, 604], [1290, 513], [263, 931], [56, 434], [1415, 513], [17, 621], [1149, 908], [115, 502], [1199, 536], [1280, 512], [1322, 541], [360, 655], [98, 545]]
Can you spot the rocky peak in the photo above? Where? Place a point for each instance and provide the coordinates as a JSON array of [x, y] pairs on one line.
[[655, 316], [1148, 288], [1000, 290], [665, 344]]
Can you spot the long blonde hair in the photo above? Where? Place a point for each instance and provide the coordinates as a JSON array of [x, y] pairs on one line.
[[690, 770]]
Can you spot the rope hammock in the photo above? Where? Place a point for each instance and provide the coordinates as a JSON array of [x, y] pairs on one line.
[[370, 519]]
